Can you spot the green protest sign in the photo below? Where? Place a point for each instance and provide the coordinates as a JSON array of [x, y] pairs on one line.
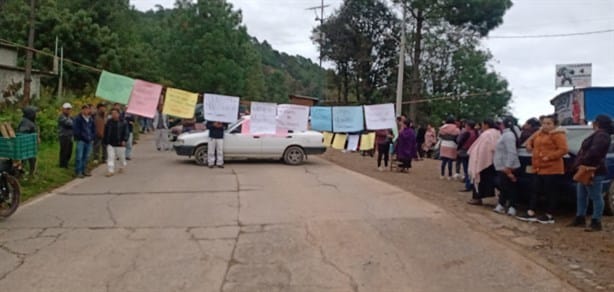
[[114, 87]]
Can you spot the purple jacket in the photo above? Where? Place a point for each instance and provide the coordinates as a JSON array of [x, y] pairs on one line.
[[406, 144]]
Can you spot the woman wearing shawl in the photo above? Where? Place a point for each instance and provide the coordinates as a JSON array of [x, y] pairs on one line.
[[448, 149], [481, 159], [406, 147]]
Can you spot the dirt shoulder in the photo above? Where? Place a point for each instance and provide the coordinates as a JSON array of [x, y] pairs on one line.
[[584, 259]]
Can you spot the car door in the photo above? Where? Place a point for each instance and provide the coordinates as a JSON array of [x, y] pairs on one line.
[[273, 146], [239, 144]]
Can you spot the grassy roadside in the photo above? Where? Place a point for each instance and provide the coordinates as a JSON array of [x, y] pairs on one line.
[[49, 175]]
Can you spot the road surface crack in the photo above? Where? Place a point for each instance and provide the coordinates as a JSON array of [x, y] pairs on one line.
[[311, 239], [110, 211], [21, 259], [320, 181], [232, 260]]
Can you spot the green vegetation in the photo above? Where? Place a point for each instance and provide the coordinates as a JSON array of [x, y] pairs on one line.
[[444, 55], [49, 176], [201, 47]]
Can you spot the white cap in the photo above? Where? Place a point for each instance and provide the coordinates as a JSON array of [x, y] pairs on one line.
[[66, 106]]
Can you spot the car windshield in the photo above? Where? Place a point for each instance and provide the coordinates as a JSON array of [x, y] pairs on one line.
[[575, 136], [233, 125]]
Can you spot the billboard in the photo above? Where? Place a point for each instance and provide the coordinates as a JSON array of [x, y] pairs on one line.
[[573, 75]]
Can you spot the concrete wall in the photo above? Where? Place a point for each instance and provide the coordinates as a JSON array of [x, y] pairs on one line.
[[8, 57], [11, 85]]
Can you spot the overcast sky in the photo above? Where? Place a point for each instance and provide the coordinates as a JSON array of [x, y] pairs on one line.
[[528, 64]]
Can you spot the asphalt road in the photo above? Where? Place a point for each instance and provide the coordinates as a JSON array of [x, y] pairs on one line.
[[169, 225]]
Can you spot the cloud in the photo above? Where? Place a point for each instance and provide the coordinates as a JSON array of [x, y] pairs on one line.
[[528, 64]]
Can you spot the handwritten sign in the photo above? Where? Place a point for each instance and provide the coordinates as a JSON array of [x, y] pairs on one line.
[[263, 118], [380, 116], [367, 142], [328, 138], [348, 119], [179, 103], [221, 108], [353, 142], [144, 99], [114, 87], [293, 117], [339, 141], [279, 132], [322, 118]]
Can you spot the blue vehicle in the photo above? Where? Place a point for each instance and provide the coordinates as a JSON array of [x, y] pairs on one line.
[[575, 136]]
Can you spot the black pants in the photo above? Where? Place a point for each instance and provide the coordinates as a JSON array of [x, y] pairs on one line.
[[446, 162], [550, 186], [65, 150], [509, 190], [405, 163], [486, 187], [383, 151], [100, 150]]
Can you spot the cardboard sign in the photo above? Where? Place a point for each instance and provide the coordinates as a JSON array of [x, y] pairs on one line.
[[144, 99], [380, 116], [322, 118], [179, 103], [293, 117], [263, 118], [221, 108], [348, 119], [367, 142], [339, 141], [114, 87]]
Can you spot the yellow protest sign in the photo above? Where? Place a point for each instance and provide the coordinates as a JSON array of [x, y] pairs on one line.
[[179, 103], [367, 141], [328, 138], [339, 141]]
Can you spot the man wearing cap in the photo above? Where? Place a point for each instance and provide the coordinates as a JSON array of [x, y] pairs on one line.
[[84, 132], [65, 134]]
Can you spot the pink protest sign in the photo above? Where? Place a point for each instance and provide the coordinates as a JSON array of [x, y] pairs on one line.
[[245, 130], [144, 99]]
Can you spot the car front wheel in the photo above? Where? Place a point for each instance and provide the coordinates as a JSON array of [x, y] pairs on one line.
[[608, 199], [294, 155], [200, 155]]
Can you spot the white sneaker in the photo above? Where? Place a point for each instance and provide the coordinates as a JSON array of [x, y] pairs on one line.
[[511, 211], [380, 168], [449, 178], [499, 209]]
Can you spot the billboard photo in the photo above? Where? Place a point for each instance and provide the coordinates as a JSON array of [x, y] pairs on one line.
[[573, 75]]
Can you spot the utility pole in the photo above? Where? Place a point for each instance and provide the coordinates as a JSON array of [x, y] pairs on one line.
[[401, 69], [27, 82], [321, 36]]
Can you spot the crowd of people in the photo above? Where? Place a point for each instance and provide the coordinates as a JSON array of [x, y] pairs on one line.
[[488, 154], [109, 134]]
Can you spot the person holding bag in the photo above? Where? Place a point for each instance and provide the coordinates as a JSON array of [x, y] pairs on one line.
[[591, 172]]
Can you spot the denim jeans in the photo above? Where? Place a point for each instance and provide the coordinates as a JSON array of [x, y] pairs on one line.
[[446, 162], [82, 156], [594, 192], [129, 146], [465, 163]]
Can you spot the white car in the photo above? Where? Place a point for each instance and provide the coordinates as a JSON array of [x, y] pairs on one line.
[[292, 147]]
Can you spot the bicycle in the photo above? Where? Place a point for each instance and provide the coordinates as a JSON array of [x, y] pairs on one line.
[[10, 190]]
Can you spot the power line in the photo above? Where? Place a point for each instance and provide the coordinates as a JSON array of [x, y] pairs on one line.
[[538, 36], [7, 42]]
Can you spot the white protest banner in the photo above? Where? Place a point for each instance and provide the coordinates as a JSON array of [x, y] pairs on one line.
[[353, 142], [380, 116], [221, 108], [263, 118], [293, 117]]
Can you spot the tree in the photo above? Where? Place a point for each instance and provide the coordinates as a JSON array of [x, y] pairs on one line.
[[361, 38], [473, 15]]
